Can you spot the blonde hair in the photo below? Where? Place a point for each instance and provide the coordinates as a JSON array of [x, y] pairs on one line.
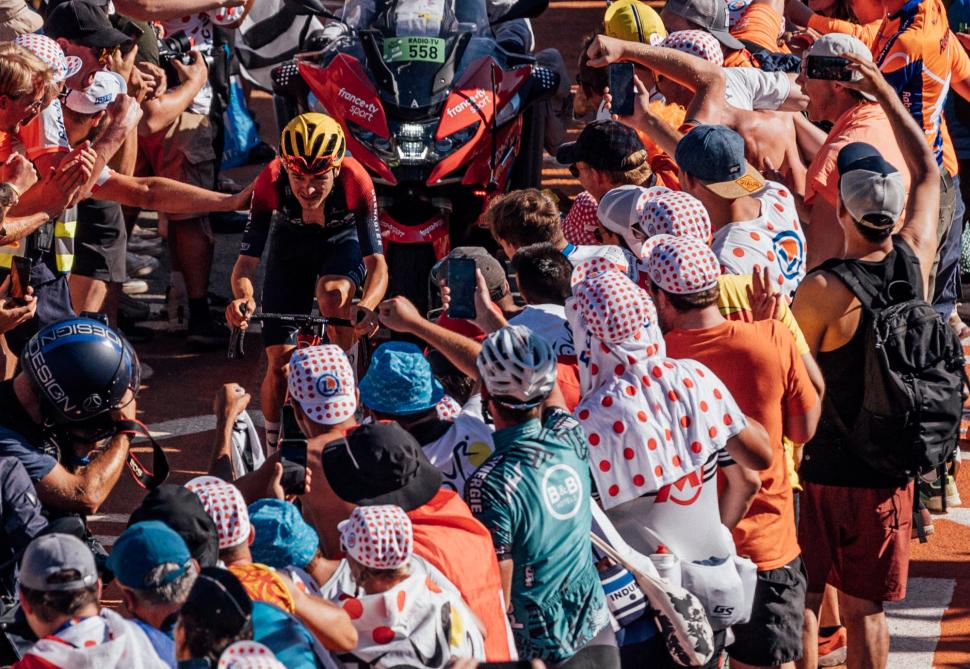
[[21, 72]]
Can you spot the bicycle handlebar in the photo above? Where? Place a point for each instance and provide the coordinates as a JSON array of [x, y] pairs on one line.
[[236, 350]]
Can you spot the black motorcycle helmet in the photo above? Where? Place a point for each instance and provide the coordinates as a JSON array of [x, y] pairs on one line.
[[80, 370]]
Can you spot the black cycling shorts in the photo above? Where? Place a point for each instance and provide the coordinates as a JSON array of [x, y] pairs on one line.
[[298, 256], [101, 241]]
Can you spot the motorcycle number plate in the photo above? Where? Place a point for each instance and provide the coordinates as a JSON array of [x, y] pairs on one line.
[[424, 49]]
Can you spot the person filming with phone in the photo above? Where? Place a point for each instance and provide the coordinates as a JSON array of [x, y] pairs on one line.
[[856, 117], [325, 243]]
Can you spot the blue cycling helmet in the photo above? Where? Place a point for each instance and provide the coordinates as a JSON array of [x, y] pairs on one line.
[[80, 370]]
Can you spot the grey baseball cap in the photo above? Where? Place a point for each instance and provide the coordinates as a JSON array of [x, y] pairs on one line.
[[711, 15], [52, 554], [839, 44], [871, 189]]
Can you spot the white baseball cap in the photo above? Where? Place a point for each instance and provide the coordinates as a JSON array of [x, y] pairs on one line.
[[102, 92]]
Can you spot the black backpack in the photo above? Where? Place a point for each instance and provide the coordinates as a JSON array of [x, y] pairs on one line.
[[912, 401]]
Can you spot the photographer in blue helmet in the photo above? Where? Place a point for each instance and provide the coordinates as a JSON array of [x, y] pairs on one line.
[[76, 388]]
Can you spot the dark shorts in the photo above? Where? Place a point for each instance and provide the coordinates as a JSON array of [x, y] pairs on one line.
[[298, 256], [53, 304], [857, 539], [774, 633], [600, 653], [101, 241]]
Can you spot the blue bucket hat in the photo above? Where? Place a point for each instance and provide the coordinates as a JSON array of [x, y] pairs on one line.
[[399, 381], [283, 538]]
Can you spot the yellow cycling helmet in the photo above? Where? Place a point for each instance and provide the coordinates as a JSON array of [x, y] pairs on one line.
[[634, 21], [312, 143]]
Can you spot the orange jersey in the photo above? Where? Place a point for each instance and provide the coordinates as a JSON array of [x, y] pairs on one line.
[[914, 50]]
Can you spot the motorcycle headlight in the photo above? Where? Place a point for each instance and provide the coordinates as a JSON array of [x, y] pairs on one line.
[[384, 148]]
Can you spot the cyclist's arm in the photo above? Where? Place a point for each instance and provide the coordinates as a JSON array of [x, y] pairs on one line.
[[362, 199]]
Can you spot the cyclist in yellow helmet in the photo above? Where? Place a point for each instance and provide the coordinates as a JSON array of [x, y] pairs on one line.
[[326, 244]]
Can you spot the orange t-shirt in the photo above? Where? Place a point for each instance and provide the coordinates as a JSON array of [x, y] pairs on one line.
[[662, 164], [263, 584], [759, 364], [865, 32], [914, 52], [739, 58], [862, 123], [447, 535]]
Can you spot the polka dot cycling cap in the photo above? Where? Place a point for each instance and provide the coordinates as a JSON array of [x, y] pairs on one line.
[[696, 43], [681, 265], [379, 537], [674, 212], [62, 67], [322, 381], [614, 307], [248, 655], [226, 506], [579, 226]]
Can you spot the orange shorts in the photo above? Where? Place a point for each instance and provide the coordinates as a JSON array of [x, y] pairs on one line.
[[760, 24]]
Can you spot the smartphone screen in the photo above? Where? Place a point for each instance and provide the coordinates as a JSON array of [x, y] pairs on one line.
[[461, 282], [19, 279], [831, 68], [621, 88], [293, 453]]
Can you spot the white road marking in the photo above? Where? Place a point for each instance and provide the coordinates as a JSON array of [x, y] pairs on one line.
[[120, 518], [957, 514], [915, 623], [180, 427]]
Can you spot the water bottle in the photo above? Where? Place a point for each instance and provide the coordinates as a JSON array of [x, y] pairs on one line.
[[623, 595], [667, 564]]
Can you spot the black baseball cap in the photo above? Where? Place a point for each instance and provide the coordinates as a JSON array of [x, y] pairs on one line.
[[218, 596], [605, 145], [180, 509], [83, 23], [380, 463]]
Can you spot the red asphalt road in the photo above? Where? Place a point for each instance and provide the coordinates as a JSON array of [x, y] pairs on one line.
[[184, 384]]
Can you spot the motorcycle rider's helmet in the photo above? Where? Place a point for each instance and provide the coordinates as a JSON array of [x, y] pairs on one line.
[[518, 367], [80, 370], [312, 143]]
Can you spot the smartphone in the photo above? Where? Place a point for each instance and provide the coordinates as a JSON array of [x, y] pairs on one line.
[[461, 282], [19, 279], [293, 453], [832, 68], [621, 88]]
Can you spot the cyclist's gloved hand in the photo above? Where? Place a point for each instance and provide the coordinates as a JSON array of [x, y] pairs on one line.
[[365, 321], [234, 312]]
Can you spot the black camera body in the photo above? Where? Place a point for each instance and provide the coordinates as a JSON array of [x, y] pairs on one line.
[[177, 47]]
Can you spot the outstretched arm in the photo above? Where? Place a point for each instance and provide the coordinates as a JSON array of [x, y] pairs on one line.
[[923, 205], [400, 315], [170, 196], [700, 76]]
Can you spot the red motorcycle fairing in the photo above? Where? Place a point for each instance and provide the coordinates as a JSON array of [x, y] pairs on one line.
[[347, 93], [433, 231], [470, 102]]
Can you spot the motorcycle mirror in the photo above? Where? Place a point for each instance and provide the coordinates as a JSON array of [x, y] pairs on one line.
[[310, 8], [523, 9]]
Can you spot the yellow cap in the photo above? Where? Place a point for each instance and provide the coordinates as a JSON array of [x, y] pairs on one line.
[[634, 21]]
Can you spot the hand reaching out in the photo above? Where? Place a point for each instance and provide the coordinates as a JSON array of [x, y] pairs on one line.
[[19, 172], [605, 50], [765, 301]]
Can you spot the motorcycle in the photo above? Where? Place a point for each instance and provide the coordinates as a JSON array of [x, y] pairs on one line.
[[437, 112]]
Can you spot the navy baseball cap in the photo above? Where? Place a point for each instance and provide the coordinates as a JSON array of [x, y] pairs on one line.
[[143, 547], [714, 154], [605, 145], [871, 189], [83, 23]]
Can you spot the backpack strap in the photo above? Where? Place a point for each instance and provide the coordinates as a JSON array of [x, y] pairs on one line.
[[857, 282]]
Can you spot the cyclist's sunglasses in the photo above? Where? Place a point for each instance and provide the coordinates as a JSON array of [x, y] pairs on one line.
[[299, 167]]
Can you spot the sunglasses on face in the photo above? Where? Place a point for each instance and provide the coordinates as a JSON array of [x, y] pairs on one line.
[[298, 167], [105, 54], [574, 171]]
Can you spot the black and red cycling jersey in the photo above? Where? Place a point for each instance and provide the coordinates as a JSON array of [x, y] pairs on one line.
[[351, 202]]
